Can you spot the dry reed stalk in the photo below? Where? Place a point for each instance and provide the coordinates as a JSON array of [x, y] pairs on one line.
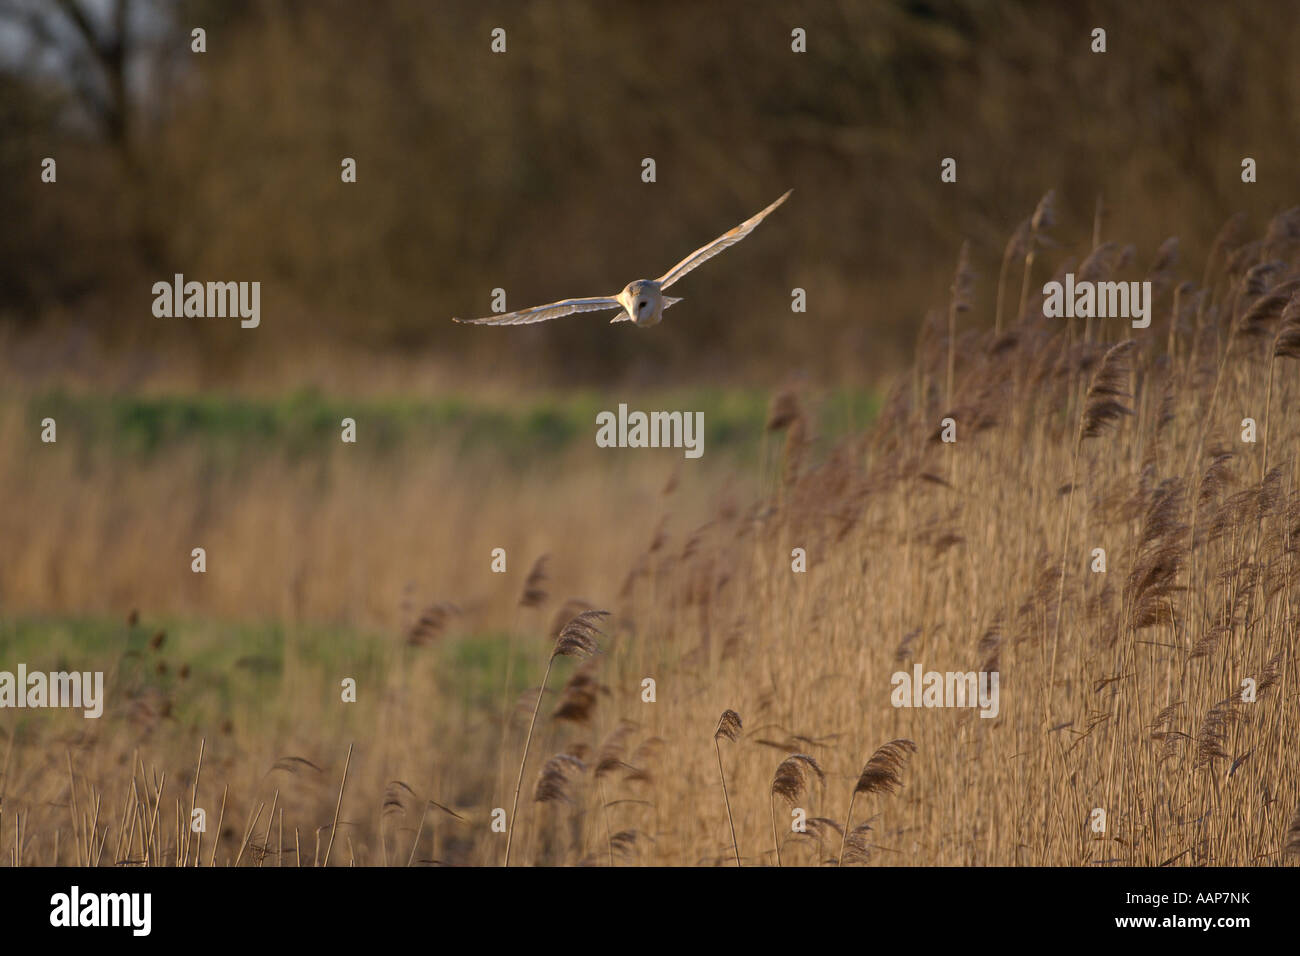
[[248, 832], [1255, 283], [534, 596], [419, 830], [609, 758], [1292, 845], [790, 782], [604, 808], [1015, 249], [1102, 408], [963, 284], [577, 639], [151, 841], [194, 796], [94, 827], [337, 807], [135, 817], [1043, 218], [121, 825], [1286, 344], [729, 727], [882, 773], [99, 854], [270, 821], [216, 840], [76, 816]]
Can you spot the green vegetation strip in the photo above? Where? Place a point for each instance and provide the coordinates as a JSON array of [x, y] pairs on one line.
[[307, 421], [211, 668]]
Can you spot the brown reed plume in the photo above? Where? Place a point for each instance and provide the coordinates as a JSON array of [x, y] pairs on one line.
[[577, 639], [1161, 549], [567, 612], [553, 779], [1286, 344], [1255, 284], [881, 774], [1291, 846], [1212, 738], [963, 289], [1161, 730], [609, 757], [790, 783], [431, 624], [610, 754], [792, 453], [1103, 406], [646, 753], [783, 410], [729, 728], [534, 585], [581, 692]]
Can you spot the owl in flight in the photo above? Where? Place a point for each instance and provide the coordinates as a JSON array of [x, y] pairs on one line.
[[641, 301]]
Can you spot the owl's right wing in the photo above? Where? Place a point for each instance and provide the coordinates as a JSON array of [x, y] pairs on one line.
[[544, 313], [724, 241]]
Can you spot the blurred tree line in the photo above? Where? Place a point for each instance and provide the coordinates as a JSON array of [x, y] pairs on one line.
[[522, 170]]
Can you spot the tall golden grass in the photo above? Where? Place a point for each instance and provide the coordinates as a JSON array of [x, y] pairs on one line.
[[334, 536], [1122, 691]]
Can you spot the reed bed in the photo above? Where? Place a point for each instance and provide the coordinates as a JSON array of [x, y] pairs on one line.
[[1159, 692]]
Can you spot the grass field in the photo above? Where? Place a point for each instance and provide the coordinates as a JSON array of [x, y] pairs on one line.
[[109, 514]]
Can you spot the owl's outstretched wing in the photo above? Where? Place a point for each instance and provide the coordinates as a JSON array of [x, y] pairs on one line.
[[544, 313], [727, 239]]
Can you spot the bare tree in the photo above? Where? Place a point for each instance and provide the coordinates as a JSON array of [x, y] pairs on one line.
[[86, 48]]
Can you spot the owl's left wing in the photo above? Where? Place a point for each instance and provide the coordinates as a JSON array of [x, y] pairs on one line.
[[543, 313], [727, 239]]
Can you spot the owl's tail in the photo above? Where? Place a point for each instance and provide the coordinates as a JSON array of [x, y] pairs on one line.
[[624, 317]]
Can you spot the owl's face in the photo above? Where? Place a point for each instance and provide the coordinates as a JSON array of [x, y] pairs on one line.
[[641, 299]]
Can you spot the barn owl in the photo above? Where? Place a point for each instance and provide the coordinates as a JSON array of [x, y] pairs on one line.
[[642, 301]]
